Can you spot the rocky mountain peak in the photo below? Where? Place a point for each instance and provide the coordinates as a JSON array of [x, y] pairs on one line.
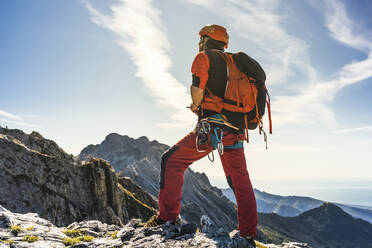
[[36, 142], [326, 211], [143, 140], [122, 151], [115, 141], [36, 135], [327, 226], [122, 142]]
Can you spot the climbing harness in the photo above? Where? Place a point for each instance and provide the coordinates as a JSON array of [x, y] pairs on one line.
[[210, 132]]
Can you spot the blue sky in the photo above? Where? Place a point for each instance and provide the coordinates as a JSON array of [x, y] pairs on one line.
[[78, 70]]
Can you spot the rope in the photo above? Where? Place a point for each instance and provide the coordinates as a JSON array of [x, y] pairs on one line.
[[219, 121]]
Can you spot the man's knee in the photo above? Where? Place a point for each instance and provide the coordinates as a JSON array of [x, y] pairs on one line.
[[229, 181], [164, 159]]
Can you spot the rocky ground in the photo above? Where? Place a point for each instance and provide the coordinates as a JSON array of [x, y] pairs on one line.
[[29, 230]]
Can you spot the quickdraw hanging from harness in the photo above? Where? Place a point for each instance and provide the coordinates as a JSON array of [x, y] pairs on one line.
[[218, 137], [219, 140], [203, 129]]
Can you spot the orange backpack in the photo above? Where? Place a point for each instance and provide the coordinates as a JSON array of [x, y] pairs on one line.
[[246, 95]]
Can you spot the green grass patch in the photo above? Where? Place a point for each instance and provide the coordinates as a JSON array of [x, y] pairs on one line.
[[8, 241], [72, 233], [87, 238], [16, 229], [30, 228], [30, 238], [71, 241], [75, 240]]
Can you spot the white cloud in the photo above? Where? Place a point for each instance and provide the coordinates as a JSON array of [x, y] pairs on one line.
[[315, 99], [9, 115], [344, 29], [142, 34], [357, 129], [19, 123], [15, 119]]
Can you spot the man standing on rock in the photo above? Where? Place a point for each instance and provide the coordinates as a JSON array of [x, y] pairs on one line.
[[210, 79]]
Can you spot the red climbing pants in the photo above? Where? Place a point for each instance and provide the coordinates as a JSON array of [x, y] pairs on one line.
[[179, 157]]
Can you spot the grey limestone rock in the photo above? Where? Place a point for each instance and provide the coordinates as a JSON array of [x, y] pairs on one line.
[[126, 233]]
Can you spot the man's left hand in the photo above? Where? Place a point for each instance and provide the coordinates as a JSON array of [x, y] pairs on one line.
[[194, 108]]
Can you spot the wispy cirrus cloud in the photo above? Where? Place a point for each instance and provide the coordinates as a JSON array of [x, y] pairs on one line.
[[313, 103], [9, 115], [19, 123], [142, 34], [345, 30], [14, 119], [357, 129]]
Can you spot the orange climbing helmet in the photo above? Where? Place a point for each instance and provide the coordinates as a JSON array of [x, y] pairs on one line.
[[215, 32]]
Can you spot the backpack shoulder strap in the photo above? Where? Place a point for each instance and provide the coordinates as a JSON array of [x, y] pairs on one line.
[[224, 56]]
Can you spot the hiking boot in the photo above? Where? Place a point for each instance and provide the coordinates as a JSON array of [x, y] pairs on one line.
[[155, 221], [251, 243]]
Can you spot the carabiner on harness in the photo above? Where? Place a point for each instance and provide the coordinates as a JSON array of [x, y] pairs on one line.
[[219, 140], [203, 129]]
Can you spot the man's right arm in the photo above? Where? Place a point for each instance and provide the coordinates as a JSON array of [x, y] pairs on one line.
[[197, 96]]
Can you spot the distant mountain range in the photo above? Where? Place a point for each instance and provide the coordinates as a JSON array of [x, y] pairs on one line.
[[327, 226], [290, 206]]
